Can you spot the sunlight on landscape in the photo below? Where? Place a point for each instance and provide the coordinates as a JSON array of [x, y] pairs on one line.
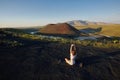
[[108, 30], [59, 40]]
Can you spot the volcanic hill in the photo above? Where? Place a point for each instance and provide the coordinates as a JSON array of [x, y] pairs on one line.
[[59, 29]]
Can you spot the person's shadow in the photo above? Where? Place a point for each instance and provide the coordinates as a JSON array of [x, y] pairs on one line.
[[88, 60]]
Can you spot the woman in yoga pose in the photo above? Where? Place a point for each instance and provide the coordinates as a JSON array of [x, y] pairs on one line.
[[72, 55]]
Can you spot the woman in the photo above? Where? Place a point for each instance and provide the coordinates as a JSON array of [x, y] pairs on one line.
[[72, 55]]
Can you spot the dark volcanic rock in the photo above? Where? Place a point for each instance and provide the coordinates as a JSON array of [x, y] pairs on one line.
[[41, 60]]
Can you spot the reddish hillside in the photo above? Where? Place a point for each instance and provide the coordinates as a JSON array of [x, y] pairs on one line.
[[59, 29]]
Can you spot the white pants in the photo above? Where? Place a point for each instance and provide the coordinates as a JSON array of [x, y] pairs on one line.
[[72, 59], [70, 62]]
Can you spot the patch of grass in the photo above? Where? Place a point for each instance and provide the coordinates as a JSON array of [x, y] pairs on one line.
[[109, 30], [113, 43], [10, 43]]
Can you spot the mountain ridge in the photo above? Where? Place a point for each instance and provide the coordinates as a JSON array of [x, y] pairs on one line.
[[85, 23]]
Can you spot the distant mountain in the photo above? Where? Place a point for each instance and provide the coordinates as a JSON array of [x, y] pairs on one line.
[[84, 23], [59, 29]]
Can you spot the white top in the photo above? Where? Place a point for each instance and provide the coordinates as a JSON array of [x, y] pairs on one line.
[[72, 59]]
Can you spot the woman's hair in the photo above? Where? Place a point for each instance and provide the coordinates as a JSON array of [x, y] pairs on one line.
[[73, 48]]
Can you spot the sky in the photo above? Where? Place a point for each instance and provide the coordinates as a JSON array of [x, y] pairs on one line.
[[24, 13]]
